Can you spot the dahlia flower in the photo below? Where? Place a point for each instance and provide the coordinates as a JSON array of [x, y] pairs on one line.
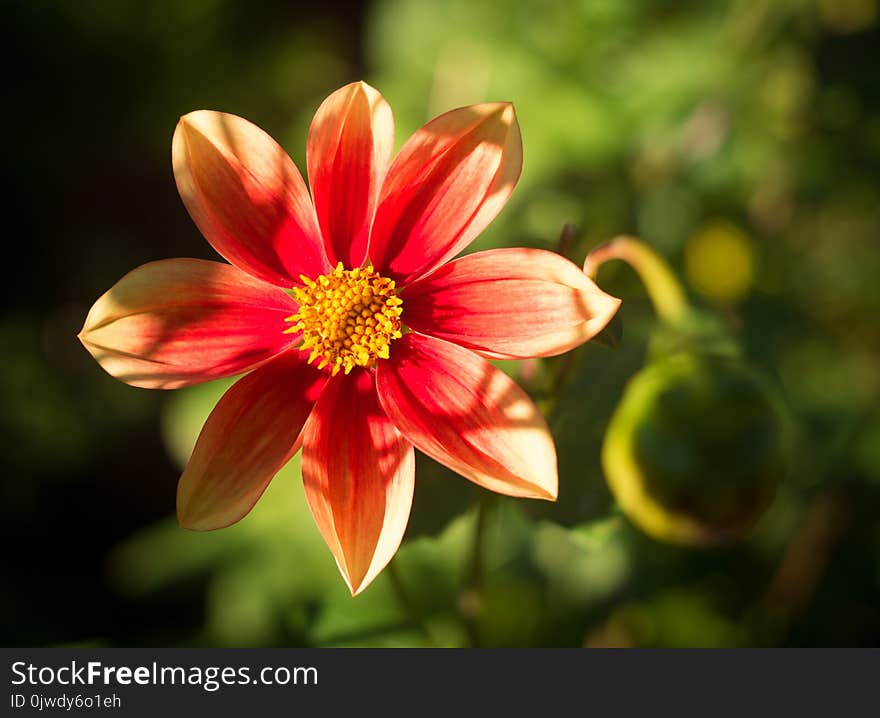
[[360, 339]]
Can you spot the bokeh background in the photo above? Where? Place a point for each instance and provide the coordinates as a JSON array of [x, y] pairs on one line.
[[740, 138]]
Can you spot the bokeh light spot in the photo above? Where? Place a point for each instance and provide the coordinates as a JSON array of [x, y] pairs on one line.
[[719, 261]]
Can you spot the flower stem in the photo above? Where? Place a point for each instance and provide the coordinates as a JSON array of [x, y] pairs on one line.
[[660, 282], [471, 598], [567, 237], [408, 604]]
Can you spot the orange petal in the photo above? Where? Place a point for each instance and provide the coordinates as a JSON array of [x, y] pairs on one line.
[[468, 415], [509, 303], [358, 473], [251, 434], [176, 322], [350, 145], [448, 182], [247, 197]]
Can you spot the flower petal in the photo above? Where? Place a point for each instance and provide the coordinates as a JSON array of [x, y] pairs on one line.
[[176, 322], [250, 435], [247, 197], [358, 473], [448, 182], [350, 145], [509, 303], [468, 415]]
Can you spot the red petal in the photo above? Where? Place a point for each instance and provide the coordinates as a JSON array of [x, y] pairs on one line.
[[468, 415], [247, 197], [358, 473], [350, 145], [176, 322], [253, 431], [448, 182], [509, 303]]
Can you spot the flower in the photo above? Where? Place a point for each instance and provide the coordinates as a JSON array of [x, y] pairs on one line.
[[360, 338]]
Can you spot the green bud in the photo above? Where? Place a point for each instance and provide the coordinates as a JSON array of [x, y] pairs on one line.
[[696, 448]]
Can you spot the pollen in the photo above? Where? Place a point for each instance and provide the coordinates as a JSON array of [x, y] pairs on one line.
[[348, 318]]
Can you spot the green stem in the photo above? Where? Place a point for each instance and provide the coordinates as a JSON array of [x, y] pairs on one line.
[[471, 596], [408, 604], [660, 282]]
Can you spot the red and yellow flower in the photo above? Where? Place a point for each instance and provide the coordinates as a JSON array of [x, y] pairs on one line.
[[361, 338]]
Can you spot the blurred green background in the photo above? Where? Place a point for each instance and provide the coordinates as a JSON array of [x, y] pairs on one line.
[[740, 139]]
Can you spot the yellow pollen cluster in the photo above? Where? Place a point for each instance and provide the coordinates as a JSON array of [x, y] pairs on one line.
[[348, 318]]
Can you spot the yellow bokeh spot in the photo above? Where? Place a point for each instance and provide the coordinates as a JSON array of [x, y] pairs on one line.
[[348, 318], [719, 261]]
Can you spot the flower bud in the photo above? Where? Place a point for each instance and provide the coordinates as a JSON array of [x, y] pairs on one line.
[[696, 449]]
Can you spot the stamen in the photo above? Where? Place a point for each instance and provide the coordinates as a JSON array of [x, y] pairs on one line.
[[348, 317]]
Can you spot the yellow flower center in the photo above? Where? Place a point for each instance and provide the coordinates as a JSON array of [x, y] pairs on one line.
[[348, 318]]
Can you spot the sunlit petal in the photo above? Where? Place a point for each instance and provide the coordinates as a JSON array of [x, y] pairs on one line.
[[358, 473], [176, 322], [350, 145], [249, 436], [448, 182], [462, 411], [509, 303], [247, 197]]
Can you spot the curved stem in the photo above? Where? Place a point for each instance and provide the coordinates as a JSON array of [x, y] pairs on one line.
[[660, 282]]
